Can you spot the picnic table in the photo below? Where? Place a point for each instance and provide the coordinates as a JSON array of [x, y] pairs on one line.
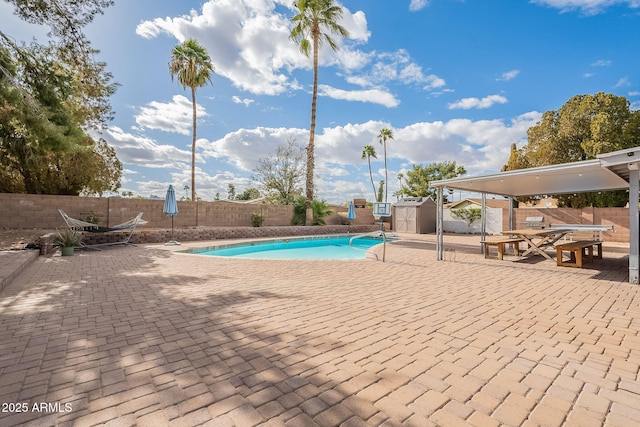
[[537, 239]]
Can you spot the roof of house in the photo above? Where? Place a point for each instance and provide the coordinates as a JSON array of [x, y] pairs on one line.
[[491, 203]]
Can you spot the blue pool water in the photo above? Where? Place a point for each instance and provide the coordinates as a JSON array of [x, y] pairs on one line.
[[296, 248]]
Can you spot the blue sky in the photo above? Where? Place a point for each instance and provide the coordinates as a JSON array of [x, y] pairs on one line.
[[454, 79]]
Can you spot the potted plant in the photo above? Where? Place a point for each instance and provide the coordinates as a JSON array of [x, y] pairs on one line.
[[67, 240]]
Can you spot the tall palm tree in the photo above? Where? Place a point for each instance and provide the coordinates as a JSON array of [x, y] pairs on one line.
[[191, 65], [312, 26], [385, 133], [368, 152]]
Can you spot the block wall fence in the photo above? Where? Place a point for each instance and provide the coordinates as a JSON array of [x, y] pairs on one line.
[[27, 211]]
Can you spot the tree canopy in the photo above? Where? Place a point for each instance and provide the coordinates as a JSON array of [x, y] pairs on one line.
[[416, 182], [585, 126], [281, 173], [52, 97]]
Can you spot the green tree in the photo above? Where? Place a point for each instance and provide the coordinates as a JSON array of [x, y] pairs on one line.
[[231, 192], [312, 26], [380, 191], [44, 148], [191, 65], [282, 173], [585, 126], [417, 180], [383, 136], [468, 215], [249, 194], [368, 152]]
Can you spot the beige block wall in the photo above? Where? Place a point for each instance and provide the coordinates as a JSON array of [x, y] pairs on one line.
[[22, 211], [618, 217]]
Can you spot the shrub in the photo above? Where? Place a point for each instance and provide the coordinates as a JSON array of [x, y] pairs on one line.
[[257, 219], [320, 211], [299, 212], [68, 238]]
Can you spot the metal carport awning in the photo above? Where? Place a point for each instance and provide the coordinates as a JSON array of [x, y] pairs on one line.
[[611, 171], [578, 177]]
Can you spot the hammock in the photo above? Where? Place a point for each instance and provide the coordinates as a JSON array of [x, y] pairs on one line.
[[79, 225]]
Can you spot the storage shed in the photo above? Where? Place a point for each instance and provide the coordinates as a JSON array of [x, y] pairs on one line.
[[415, 215]]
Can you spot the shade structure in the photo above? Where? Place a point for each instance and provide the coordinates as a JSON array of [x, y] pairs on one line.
[[171, 209], [351, 213]]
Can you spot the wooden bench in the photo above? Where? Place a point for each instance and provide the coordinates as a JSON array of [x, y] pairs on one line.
[[500, 243], [577, 252]]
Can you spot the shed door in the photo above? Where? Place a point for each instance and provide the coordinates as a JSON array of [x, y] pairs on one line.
[[406, 222]]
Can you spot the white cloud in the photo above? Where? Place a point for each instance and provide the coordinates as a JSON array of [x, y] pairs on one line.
[[418, 5], [375, 96], [623, 82], [509, 75], [480, 146], [486, 102], [587, 7], [245, 101], [386, 68], [144, 151], [249, 43], [175, 116], [244, 147], [601, 63]]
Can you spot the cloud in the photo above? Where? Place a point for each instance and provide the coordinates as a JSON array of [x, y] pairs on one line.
[[601, 63], [509, 75], [387, 68], [375, 96], [623, 82], [245, 101], [480, 146], [143, 151], [417, 5], [249, 41], [469, 103], [587, 7], [174, 117], [245, 147]]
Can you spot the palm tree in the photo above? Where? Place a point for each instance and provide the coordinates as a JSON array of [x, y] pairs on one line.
[[314, 19], [191, 65], [369, 152], [385, 133], [399, 192]]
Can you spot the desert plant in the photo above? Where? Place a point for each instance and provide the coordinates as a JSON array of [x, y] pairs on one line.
[[257, 219], [320, 211], [68, 238], [299, 212]]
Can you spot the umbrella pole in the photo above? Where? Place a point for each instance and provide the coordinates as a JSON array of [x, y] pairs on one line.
[[172, 229]]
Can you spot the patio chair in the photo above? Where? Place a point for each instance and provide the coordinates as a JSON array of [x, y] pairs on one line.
[[79, 225]]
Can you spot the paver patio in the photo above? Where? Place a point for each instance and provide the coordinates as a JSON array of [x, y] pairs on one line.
[[144, 336]]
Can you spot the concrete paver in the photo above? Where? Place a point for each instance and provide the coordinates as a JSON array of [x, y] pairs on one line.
[[148, 336]]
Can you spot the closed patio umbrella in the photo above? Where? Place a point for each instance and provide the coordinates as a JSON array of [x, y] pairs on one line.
[[351, 213], [171, 209]]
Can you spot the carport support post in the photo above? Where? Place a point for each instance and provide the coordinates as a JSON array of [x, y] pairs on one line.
[[439, 223], [634, 229], [483, 221], [511, 213]]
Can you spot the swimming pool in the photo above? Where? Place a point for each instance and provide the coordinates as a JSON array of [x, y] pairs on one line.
[[322, 247]]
